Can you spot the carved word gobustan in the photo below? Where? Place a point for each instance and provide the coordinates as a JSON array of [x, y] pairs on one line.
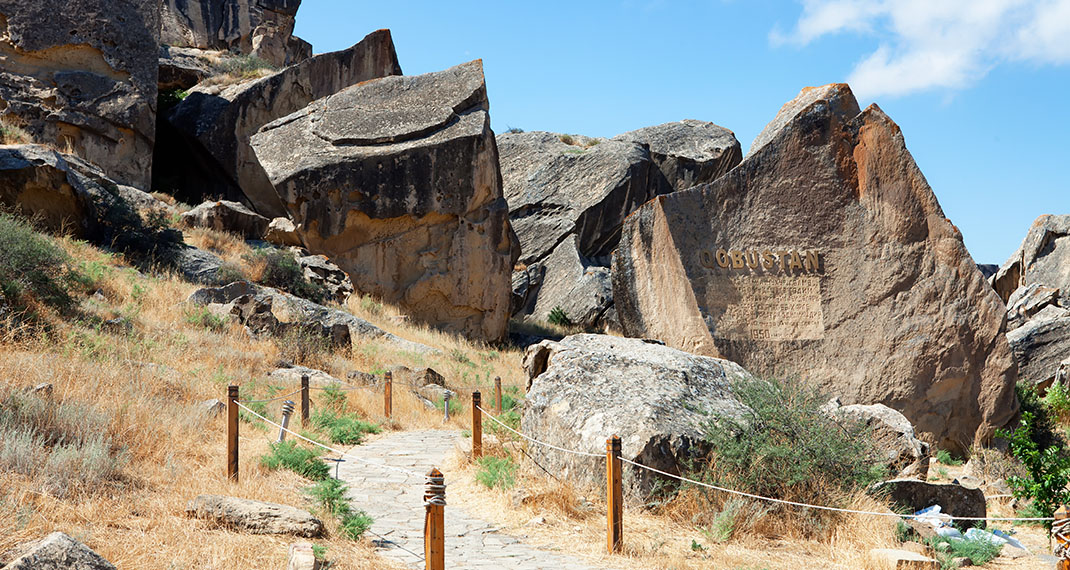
[[779, 260]]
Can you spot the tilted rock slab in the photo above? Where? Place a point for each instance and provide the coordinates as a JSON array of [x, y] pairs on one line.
[[255, 517], [57, 551], [262, 28], [81, 76], [568, 200], [397, 181], [654, 397], [1041, 345], [1043, 258], [825, 257], [223, 118]]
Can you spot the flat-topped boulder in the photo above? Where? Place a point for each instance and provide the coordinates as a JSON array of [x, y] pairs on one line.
[[687, 152], [397, 181], [589, 387], [222, 118], [227, 216], [825, 256], [55, 551], [80, 75], [254, 517]]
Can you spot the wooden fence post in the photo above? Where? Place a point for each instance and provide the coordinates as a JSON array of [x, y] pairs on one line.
[[232, 433], [434, 529], [477, 426], [304, 400], [614, 496], [498, 393], [388, 394], [1062, 542]]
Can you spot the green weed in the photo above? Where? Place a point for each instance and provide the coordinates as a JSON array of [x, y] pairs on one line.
[[341, 428], [496, 472], [303, 461]]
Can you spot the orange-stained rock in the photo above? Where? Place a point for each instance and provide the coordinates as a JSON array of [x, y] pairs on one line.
[[825, 257]]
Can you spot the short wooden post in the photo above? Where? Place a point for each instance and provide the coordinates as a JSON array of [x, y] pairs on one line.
[[477, 426], [614, 496], [232, 433], [1062, 541], [498, 393], [434, 527], [388, 394], [304, 400]]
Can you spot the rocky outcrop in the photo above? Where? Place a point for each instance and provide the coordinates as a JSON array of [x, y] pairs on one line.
[[656, 398], [1043, 258], [1027, 301], [220, 119], [319, 270], [225, 216], [825, 256], [55, 551], [196, 265], [80, 75], [268, 311], [261, 28], [397, 181], [891, 433], [1040, 346], [568, 196], [955, 500], [255, 517], [282, 231]]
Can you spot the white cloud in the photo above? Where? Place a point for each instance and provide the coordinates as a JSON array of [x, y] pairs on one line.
[[937, 44]]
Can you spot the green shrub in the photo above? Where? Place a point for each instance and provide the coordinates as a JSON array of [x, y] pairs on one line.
[[496, 472], [558, 317], [980, 552], [228, 273], [330, 495], [303, 461], [33, 269], [1048, 467], [282, 271], [782, 445], [341, 428], [510, 418], [203, 317], [943, 456], [1057, 401]]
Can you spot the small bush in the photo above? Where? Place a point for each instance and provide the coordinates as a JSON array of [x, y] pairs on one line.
[[303, 346], [330, 494], [344, 429], [510, 418], [943, 456], [514, 130], [369, 305], [281, 271], [228, 273], [33, 269], [1048, 467], [355, 524], [980, 552], [782, 445], [567, 139], [1057, 401], [11, 132], [558, 317], [203, 317], [496, 472], [246, 66], [300, 460]]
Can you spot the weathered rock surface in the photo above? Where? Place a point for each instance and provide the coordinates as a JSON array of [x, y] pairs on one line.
[[1043, 258], [302, 557], [256, 517], [397, 181], [291, 376], [321, 271], [197, 265], [282, 231], [904, 454], [81, 75], [988, 269], [183, 68], [221, 119], [262, 28], [825, 256], [1040, 346], [1027, 301], [955, 500], [226, 216], [895, 559], [57, 551], [653, 396], [568, 196], [269, 311]]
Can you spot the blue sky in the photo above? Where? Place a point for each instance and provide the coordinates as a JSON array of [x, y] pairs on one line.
[[981, 88]]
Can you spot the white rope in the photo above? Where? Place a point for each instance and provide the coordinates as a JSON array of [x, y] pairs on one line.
[[331, 449], [751, 495], [542, 443]]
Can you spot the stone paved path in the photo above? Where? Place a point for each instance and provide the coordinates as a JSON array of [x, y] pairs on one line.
[[395, 501]]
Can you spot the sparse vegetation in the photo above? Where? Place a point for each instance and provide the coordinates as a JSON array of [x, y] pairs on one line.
[[301, 460], [944, 457], [330, 495], [342, 428], [979, 552], [558, 317], [277, 268], [203, 317], [496, 472], [34, 271], [11, 132]]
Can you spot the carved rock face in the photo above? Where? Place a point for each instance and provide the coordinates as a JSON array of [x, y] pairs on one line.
[[263, 28], [825, 257], [411, 210], [80, 75]]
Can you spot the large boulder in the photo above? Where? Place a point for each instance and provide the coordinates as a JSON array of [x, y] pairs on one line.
[[80, 75], [1043, 258], [955, 500], [270, 311], [1040, 346], [397, 181], [1027, 301], [255, 517], [57, 551], [825, 256], [654, 397], [261, 28], [226, 216], [891, 434], [568, 196], [220, 119]]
